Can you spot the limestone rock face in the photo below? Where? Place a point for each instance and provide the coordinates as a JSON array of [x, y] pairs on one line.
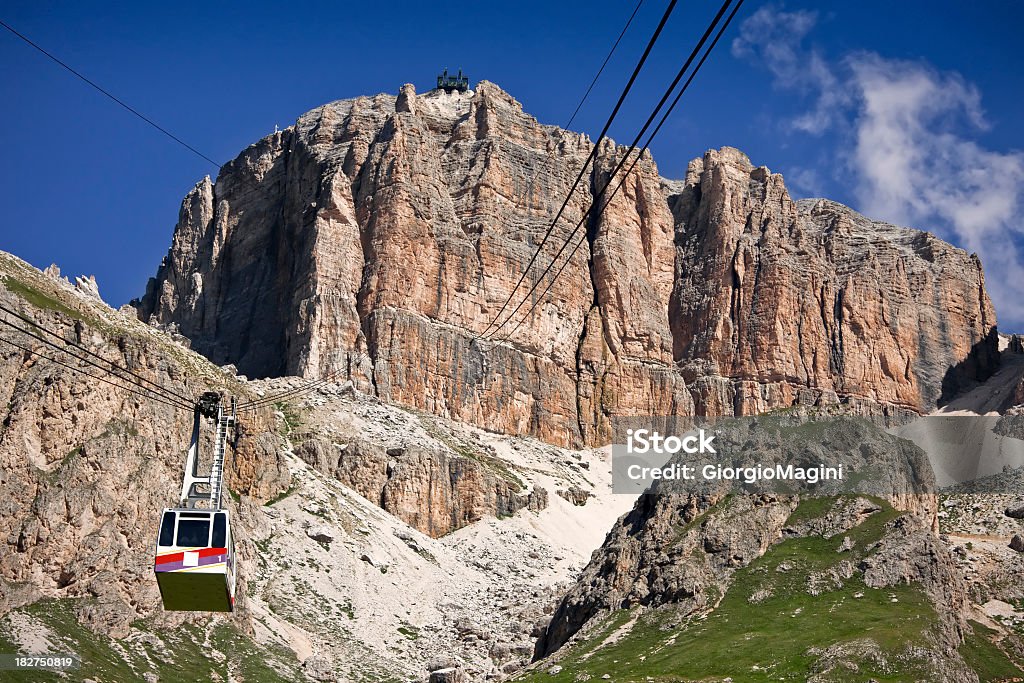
[[375, 237], [86, 467], [430, 490], [789, 295]]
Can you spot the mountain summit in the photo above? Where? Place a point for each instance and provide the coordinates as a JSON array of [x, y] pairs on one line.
[[378, 235]]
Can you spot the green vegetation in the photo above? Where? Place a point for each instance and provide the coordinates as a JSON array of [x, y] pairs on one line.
[[37, 298], [281, 496], [292, 417], [66, 461], [767, 624], [409, 631], [984, 656], [178, 655], [809, 510]]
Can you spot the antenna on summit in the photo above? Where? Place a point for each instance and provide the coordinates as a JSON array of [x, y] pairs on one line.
[[448, 83]]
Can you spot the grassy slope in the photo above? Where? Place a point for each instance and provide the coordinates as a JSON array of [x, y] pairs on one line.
[[45, 294], [771, 640], [186, 654], [984, 656]]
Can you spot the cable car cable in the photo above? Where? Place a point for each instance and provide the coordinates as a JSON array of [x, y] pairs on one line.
[[291, 393], [668, 112], [123, 104], [314, 384], [169, 393], [94, 364], [636, 140], [579, 177], [300, 390], [603, 65], [96, 377]]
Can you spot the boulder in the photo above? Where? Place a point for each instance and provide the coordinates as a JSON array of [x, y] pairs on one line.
[[449, 675], [1016, 511]]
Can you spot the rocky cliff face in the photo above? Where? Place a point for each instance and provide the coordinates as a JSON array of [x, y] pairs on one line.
[[85, 467], [431, 491], [810, 294], [375, 236], [327, 577]]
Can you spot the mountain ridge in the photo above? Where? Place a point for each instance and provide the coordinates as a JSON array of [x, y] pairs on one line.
[[378, 235]]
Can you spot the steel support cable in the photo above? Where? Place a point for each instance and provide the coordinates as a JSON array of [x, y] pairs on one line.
[[96, 86], [603, 65], [295, 392], [636, 140], [96, 377], [181, 404], [169, 393], [622, 180], [579, 176]]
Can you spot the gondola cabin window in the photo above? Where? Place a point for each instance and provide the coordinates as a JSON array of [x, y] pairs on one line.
[[193, 533], [167, 529]]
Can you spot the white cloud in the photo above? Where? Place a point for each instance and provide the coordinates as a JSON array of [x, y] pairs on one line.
[[908, 130], [916, 166], [774, 39]]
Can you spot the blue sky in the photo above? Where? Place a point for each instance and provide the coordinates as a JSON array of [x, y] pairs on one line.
[[908, 111]]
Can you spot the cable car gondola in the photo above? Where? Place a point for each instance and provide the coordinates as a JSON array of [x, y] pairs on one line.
[[195, 558]]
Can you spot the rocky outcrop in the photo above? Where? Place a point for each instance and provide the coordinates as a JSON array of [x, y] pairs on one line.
[[811, 294], [911, 554], [85, 467], [682, 542], [432, 491], [377, 236], [669, 549], [576, 495]]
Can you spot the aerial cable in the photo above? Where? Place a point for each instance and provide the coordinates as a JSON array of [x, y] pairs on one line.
[[579, 177], [86, 360], [622, 180], [96, 377], [169, 393], [295, 392], [603, 65], [632, 166], [625, 158], [123, 104], [94, 364]]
